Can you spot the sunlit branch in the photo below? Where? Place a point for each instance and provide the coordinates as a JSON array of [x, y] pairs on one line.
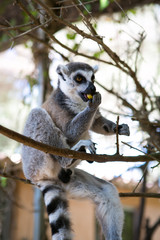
[[101, 158]]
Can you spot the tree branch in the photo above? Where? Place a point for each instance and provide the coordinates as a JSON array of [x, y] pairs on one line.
[[7, 28], [118, 62], [117, 136], [126, 194], [101, 158], [13, 177], [145, 195], [125, 102]]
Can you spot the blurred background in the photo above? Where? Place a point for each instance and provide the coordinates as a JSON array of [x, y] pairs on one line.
[[123, 39]]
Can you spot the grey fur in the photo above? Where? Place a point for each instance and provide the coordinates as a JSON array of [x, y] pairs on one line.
[[64, 121]]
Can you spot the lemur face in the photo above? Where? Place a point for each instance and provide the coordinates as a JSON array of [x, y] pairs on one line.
[[77, 79]]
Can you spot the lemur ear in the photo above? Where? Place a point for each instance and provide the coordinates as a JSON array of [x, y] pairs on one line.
[[95, 68], [62, 70]]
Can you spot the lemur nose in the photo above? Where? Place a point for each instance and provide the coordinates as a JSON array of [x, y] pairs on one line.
[[91, 88]]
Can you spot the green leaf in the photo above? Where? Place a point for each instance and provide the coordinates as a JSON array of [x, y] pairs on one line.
[[88, 9], [103, 4], [133, 11], [95, 25], [3, 181], [98, 54], [71, 36], [34, 13], [75, 47]]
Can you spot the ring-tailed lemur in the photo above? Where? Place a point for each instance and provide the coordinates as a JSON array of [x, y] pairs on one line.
[[64, 121]]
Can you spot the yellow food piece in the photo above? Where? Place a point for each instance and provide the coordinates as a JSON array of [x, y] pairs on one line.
[[89, 96]]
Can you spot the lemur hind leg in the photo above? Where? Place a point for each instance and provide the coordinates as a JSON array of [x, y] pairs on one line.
[[105, 196]]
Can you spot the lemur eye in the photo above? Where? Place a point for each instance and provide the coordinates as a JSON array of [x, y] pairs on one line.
[[79, 78]]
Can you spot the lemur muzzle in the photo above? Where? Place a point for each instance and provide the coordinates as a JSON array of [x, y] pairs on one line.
[[91, 89]]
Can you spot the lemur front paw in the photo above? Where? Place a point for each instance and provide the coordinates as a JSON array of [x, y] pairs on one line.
[[95, 101], [123, 129], [87, 144]]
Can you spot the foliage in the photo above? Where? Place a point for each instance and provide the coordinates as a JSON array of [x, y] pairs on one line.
[[141, 106], [104, 4]]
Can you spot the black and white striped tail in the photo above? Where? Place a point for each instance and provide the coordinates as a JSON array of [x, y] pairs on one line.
[[57, 208]]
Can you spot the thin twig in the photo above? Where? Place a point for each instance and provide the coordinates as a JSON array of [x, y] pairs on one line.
[[51, 36], [72, 5], [6, 28], [47, 45], [118, 62], [144, 172], [87, 22], [2, 174], [155, 166], [32, 29], [121, 64], [139, 150], [117, 135], [125, 102], [115, 113]]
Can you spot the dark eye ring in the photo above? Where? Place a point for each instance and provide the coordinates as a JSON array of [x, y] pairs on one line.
[[79, 78], [92, 78]]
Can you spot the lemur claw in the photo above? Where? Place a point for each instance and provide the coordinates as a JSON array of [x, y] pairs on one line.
[[87, 144]]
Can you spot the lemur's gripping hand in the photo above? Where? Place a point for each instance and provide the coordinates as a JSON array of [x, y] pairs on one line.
[[95, 101], [110, 127], [123, 129]]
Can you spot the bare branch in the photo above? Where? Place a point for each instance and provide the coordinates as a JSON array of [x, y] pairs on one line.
[[6, 28], [145, 195], [143, 175], [117, 136], [72, 5], [47, 45], [129, 194], [13, 177], [125, 102], [96, 38], [31, 30], [85, 19], [150, 155], [101, 158]]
